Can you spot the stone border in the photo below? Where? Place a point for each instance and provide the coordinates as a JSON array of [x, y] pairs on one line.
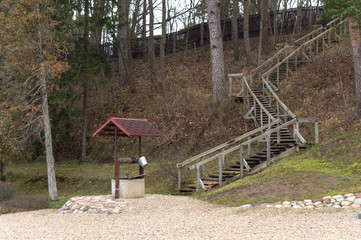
[[349, 200]]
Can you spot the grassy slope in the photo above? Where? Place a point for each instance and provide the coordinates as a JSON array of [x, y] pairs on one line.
[[323, 89]]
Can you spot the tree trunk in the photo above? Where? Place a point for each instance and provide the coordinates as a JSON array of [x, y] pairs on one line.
[[265, 26], [84, 129], [53, 192], [123, 44], [246, 31], [275, 25], [216, 46], [144, 31], [2, 171], [162, 45], [356, 54], [235, 30], [153, 77], [283, 19]]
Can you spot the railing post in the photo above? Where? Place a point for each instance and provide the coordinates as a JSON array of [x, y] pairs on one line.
[[261, 115], [179, 178], [278, 134], [316, 132], [197, 178], [223, 158], [287, 61], [201, 169], [317, 46], [249, 146], [278, 70], [230, 87], [220, 170], [241, 164], [268, 148], [296, 62]]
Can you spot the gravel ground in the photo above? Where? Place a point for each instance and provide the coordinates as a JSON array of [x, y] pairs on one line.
[[178, 217]]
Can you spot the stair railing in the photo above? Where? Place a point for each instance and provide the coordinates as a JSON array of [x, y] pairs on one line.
[[244, 149], [252, 104], [256, 73], [219, 152]]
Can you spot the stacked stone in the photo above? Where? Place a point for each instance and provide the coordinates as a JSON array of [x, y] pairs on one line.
[[349, 200], [95, 204]]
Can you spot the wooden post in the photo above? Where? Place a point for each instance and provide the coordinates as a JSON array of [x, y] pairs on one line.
[[278, 134], [261, 114], [317, 46], [201, 169], [220, 170], [179, 178], [249, 146], [316, 132], [287, 66], [116, 170], [268, 148], [241, 164], [296, 58], [278, 70], [223, 158], [197, 178], [230, 87], [141, 170]]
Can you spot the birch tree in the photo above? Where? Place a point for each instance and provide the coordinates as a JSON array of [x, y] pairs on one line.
[[32, 57]]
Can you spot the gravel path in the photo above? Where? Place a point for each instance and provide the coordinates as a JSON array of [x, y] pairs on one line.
[[178, 217]]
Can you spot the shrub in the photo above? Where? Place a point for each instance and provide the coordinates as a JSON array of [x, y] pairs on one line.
[[6, 191], [24, 203]]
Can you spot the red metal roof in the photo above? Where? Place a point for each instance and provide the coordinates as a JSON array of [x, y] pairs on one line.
[[130, 127]]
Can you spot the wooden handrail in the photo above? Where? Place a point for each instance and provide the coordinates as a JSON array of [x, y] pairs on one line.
[[226, 144], [271, 58], [275, 96], [257, 100], [244, 144]]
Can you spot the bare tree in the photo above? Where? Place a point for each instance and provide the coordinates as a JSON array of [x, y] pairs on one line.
[[123, 42], [216, 45], [153, 77], [144, 30], [235, 13], [162, 45], [53, 192], [265, 25], [247, 45]]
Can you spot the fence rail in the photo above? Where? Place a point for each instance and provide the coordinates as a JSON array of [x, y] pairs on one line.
[[192, 36]]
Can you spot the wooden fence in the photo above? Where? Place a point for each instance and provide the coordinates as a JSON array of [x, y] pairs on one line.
[[191, 37]]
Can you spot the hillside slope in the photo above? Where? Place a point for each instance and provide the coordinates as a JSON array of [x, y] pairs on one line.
[[322, 89]]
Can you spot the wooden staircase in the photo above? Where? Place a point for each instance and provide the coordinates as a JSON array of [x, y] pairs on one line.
[[277, 125]]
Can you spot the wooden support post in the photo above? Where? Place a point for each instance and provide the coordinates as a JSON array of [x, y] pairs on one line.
[[220, 170], [241, 163], [278, 134], [278, 70], [261, 115], [317, 46], [201, 169], [223, 158], [116, 170], [179, 178], [197, 178], [230, 87], [296, 62], [316, 132], [249, 146], [268, 148], [287, 66]]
